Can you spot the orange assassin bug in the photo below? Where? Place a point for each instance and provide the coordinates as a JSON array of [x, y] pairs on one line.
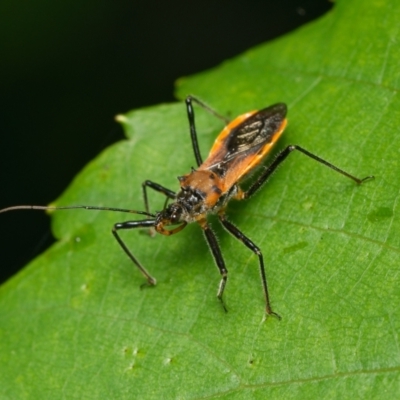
[[238, 149]]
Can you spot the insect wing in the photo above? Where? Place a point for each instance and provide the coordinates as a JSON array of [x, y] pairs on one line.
[[245, 142]]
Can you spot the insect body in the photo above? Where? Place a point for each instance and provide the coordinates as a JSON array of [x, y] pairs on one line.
[[238, 149]]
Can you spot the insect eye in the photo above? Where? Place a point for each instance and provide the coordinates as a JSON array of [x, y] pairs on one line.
[[175, 215]]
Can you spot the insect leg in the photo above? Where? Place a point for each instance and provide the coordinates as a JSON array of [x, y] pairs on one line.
[[192, 125], [282, 156], [217, 255], [250, 245], [207, 108], [158, 188], [147, 223]]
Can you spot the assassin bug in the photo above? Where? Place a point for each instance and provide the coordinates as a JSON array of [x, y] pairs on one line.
[[238, 149]]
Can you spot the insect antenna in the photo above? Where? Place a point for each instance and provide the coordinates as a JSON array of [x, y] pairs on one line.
[[97, 208]]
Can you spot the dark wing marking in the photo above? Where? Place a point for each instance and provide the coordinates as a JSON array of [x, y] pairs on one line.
[[245, 139], [255, 132]]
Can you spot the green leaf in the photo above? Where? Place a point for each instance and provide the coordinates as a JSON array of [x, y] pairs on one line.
[[75, 323]]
